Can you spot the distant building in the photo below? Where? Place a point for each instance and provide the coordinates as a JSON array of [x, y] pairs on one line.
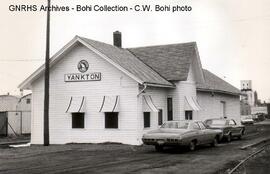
[[256, 100], [15, 115], [259, 110], [248, 95], [245, 108], [250, 104], [268, 108]]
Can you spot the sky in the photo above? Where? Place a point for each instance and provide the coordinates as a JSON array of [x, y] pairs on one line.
[[233, 36]]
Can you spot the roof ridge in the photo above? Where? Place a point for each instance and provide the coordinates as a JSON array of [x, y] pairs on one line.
[[97, 42], [150, 46]]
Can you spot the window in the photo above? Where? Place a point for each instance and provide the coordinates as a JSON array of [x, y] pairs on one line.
[[202, 126], [146, 119], [223, 108], [232, 123], [160, 117], [170, 108], [217, 122], [188, 115], [195, 126], [28, 101], [111, 120], [77, 120]]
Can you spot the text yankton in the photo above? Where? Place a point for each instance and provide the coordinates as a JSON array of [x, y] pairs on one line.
[[96, 76]]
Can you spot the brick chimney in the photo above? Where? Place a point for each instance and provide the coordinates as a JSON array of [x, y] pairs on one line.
[[117, 39]]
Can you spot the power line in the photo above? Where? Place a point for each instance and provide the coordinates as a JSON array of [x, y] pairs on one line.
[[20, 60]]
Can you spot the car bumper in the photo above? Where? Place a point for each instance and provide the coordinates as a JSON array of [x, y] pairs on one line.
[[162, 142]]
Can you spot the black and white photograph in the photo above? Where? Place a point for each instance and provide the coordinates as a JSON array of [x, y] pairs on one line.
[[140, 87]]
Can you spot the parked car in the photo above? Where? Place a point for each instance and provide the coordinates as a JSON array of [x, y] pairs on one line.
[[261, 116], [255, 117], [228, 127], [181, 133], [247, 120]]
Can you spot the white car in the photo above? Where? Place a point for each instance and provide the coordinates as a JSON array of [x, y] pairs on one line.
[[247, 119]]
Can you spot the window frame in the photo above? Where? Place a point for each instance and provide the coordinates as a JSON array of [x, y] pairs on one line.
[[28, 101], [77, 115], [160, 117], [106, 116], [188, 111], [169, 108], [145, 125]]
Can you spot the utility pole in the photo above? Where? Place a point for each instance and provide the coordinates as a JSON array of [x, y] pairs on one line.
[[47, 81]]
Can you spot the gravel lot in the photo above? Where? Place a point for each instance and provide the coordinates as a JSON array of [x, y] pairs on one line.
[[117, 158]]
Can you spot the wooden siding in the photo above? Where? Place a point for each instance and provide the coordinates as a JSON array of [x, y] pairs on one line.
[[113, 82], [183, 88], [212, 106]]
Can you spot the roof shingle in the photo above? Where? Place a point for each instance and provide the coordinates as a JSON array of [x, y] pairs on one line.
[[216, 84], [171, 61], [129, 62]]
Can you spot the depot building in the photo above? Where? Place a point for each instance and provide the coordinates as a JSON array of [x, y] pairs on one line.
[[104, 93]]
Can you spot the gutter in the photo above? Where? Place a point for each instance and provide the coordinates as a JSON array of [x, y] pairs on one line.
[[144, 88], [159, 85], [218, 91]]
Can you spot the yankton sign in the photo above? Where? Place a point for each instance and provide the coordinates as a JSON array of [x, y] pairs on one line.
[[96, 76]]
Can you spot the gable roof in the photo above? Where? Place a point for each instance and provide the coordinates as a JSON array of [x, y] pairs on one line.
[[152, 65], [215, 84], [118, 57], [171, 61], [129, 62]]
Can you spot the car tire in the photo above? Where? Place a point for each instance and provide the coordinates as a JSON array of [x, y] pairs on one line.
[[192, 146], [229, 138], [159, 148], [240, 136], [215, 142]]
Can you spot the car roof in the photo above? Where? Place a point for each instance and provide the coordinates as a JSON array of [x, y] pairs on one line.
[[219, 119], [176, 121]]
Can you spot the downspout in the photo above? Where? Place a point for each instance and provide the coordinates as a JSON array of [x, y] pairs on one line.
[[140, 130], [144, 88]]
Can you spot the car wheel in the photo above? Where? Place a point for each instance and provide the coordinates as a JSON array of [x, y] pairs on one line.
[[243, 132], [192, 146], [215, 142], [159, 148], [229, 138], [239, 137]]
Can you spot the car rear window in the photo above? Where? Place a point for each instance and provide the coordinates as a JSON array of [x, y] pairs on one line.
[[216, 122], [175, 125]]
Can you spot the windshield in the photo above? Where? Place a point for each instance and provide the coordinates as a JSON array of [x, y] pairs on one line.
[[247, 117], [216, 122], [175, 125]]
